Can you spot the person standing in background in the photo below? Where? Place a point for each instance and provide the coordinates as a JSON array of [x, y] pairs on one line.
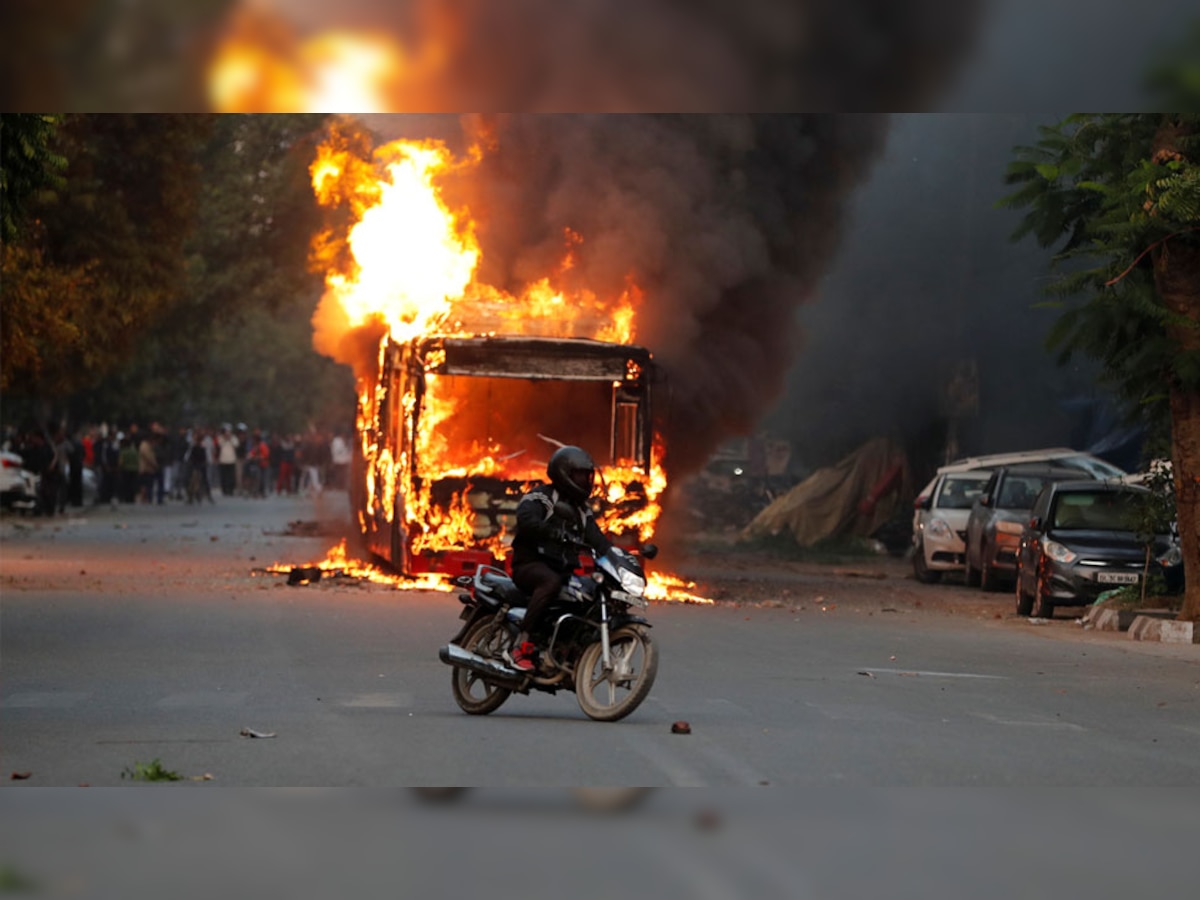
[[147, 468], [241, 449], [210, 454], [197, 467], [227, 460], [340, 457], [75, 458], [128, 469], [108, 452], [287, 462], [310, 463]]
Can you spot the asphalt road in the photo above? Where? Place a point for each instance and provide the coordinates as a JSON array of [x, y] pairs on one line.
[[141, 634]]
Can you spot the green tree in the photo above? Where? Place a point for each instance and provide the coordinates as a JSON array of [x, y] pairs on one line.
[[1118, 195], [238, 345], [100, 259], [166, 275], [28, 166]]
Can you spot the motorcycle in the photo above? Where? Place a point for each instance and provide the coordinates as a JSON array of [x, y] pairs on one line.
[[592, 643]]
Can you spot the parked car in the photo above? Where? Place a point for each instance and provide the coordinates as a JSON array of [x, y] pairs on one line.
[[1063, 457], [940, 524], [18, 486], [997, 517], [1080, 540]]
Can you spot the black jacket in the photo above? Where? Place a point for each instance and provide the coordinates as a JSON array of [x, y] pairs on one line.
[[547, 526]]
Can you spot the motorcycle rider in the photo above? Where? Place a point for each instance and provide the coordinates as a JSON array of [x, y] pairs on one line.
[[552, 520]]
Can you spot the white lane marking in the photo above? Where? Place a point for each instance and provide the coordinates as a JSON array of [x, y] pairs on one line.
[[934, 674], [1028, 723]]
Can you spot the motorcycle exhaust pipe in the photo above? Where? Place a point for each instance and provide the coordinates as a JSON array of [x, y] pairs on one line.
[[453, 655]]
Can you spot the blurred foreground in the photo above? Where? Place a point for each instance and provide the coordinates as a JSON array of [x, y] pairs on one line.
[[926, 844]]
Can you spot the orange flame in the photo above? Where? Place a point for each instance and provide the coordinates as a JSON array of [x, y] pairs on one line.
[[408, 263], [662, 586], [262, 65], [412, 259], [337, 562]]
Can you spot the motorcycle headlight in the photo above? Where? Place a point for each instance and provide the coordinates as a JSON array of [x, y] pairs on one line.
[[940, 529], [632, 583], [1057, 551], [1172, 557]]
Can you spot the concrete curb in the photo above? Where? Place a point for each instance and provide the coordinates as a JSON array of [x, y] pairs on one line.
[[1168, 631], [1144, 625], [1109, 619]]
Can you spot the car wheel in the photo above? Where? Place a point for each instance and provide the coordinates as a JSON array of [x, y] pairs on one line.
[[1043, 606], [921, 569], [973, 574], [987, 574], [1024, 598]]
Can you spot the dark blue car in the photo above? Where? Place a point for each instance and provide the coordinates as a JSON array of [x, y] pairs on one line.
[[1081, 540]]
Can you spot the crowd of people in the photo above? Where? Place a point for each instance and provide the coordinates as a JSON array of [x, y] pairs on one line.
[[155, 464]]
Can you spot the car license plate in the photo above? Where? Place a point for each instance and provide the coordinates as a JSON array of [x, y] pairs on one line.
[[1117, 577]]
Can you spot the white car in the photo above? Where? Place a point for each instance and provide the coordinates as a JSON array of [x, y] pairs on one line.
[[940, 523], [18, 486], [1065, 457]]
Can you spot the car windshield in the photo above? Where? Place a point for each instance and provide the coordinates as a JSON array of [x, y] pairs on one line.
[[1019, 491], [1097, 511], [960, 493]]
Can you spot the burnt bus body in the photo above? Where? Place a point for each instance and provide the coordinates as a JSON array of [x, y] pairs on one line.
[[510, 398]]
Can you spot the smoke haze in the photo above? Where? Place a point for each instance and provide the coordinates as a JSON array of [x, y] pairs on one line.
[[725, 222]]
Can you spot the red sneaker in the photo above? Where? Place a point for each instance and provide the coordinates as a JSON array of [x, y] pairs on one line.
[[522, 657]]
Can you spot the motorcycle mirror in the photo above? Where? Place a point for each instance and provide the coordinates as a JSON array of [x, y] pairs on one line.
[[650, 551]]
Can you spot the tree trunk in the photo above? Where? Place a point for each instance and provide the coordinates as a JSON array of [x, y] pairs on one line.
[[1177, 277]]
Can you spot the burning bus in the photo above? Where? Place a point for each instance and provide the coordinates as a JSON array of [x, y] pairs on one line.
[[457, 427], [464, 389]]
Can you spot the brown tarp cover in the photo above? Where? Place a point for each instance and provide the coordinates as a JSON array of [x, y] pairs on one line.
[[828, 503]]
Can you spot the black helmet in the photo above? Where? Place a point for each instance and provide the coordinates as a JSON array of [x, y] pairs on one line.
[[572, 472]]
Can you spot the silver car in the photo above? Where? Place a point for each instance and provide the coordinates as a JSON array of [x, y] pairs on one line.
[[998, 517], [940, 528]]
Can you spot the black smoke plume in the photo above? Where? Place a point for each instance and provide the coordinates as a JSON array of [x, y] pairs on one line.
[[727, 223], [516, 55]]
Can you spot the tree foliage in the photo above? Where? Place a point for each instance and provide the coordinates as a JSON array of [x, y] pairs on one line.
[[1097, 189], [1175, 79], [239, 344], [1118, 196], [28, 166], [165, 276], [99, 259]]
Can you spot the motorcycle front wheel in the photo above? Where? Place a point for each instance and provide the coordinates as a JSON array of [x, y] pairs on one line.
[[475, 695], [609, 694]]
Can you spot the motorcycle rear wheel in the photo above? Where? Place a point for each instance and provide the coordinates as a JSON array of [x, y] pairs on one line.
[[474, 694], [609, 695]]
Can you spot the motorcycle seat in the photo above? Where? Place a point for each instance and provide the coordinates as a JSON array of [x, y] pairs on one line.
[[504, 588]]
